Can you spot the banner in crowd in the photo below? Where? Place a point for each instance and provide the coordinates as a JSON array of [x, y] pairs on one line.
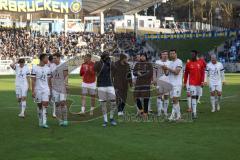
[[28, 6], [5, 68], [212, 34]]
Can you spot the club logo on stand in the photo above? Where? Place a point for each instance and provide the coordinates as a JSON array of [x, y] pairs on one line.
[[76, 6]]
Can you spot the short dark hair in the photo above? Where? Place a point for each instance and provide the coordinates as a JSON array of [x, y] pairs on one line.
[[194, 51], [42, 56], [21, 60], [57, 55], [123, 56], [88, 55], [164, 51], [50, 58], [173, 50]]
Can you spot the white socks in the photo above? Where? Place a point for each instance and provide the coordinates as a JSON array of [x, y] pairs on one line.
[[177, 110], [165, 106], [149, 105], [54, 108], [20, 105], [44, 115], [217, 100], [112, 109], [39, 116], [24, 104], [194, 106], [213, 102], [105, 118], [159, 106], [162, 105], [83, 109], [189, 102]]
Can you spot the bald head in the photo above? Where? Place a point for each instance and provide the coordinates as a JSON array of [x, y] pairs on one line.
[[214, 58]]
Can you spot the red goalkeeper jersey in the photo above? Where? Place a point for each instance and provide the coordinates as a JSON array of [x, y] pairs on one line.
[[88, 73], [195, 72]]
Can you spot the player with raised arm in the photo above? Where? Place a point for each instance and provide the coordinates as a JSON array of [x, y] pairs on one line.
[[175, 77], [162, 75], [195, 77], [22, 84], [41, 84], [59, 82], [215, 75]]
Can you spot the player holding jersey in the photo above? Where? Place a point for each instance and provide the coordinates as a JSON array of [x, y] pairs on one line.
[[59, 80], [215, 74], [22, 83], [41, 88], [162, 75], [175, 78], [195, 77]]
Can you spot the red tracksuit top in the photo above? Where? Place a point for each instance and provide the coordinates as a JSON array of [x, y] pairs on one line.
[[195, 70], [87, 72]]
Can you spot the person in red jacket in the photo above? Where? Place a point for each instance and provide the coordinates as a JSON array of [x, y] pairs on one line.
[[89, 82], [195, 76]]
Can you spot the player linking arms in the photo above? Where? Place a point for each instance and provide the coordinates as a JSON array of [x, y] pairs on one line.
[[41, 88], [162, 75], [59, 82], [215, 74], [22, 83], [175, 78]]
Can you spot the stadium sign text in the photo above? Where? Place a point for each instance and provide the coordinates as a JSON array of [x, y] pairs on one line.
[[28, 6], [173, 36]]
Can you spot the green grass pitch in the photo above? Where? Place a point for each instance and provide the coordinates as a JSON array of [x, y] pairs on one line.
[[214, 136]]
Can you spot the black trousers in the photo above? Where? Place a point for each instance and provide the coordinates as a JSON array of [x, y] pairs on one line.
[[145, 104], [121, 106]]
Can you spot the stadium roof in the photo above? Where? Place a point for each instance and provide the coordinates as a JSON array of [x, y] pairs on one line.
[[235, 2], [126, 6]]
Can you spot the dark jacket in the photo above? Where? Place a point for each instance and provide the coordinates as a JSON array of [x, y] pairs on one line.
[[105, 73], [122, 79], [143, 81]]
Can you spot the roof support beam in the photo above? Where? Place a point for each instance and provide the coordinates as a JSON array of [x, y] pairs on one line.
[[103, 8], [142, 7]]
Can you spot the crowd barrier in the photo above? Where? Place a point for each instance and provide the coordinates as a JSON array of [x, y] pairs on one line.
[[232, 67]]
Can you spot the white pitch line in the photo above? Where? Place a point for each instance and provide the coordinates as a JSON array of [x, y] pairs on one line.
[[228, 97]]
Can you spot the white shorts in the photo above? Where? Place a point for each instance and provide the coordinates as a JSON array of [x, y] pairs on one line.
[[176, 91], [21, 91], [106, 93], [195, 90], [215, 88], [42, 96], [201, 91], [88, 88], [58, 96]]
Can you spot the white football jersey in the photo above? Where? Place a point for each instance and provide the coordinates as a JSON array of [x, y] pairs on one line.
[[161, 75], [21, 75], [58, 80], [42, 74], [176, 80], [215, 73]]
